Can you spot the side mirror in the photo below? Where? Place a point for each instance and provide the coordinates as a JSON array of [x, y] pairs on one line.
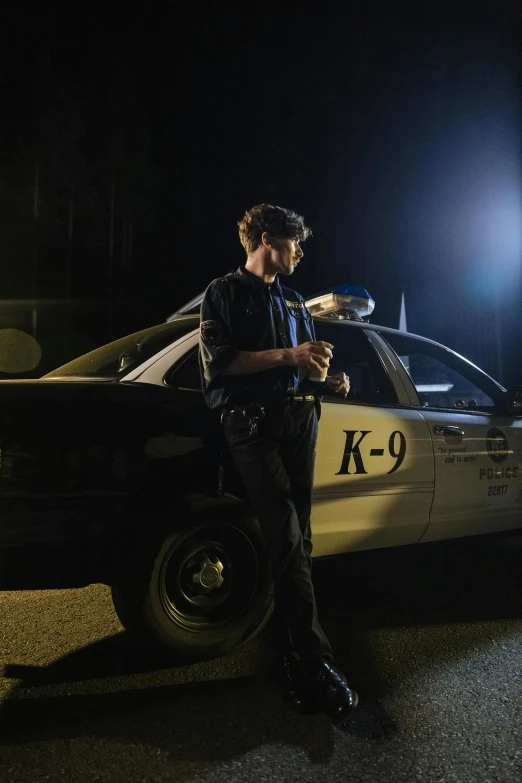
[[514, 401]]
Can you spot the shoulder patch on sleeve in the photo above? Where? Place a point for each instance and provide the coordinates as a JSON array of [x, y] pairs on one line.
[[211, 332]]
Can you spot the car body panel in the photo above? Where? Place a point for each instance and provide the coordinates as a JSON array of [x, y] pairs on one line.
[[74, 454], [478, 487], [77, 454], [477, 453], [155, 370], [364, 497]]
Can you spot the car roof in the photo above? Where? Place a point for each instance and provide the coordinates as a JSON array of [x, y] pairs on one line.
[[338, 322], [343, 322]]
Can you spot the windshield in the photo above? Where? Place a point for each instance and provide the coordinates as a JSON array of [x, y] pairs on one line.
[[117, 359]]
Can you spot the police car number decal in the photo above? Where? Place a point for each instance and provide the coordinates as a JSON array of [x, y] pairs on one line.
[[500, 489], [396, 449]]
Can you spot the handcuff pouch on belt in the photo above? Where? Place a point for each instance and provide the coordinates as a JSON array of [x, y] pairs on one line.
[[254, 413]]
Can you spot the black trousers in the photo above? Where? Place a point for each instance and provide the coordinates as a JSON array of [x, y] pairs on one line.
[[276, 466]]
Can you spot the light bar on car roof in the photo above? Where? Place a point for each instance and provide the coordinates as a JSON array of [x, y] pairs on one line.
[[345, 301]]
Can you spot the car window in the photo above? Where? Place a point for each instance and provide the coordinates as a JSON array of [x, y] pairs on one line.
[[442, 378], [354, 355], [185, 373], [117, 359]]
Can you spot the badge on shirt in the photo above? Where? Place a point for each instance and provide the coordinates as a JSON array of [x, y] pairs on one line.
[[211, 332], [299, 309]]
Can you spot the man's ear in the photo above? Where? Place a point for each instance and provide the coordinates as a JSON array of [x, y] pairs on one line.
[[266, 240]]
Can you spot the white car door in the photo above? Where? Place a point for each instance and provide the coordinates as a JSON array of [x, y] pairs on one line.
[[477, 446], [374, 469]]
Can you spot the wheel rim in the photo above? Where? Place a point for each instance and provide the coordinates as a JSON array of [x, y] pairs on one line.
[[208, 578]]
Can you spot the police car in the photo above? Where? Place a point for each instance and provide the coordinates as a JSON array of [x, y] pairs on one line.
[[109, 472]]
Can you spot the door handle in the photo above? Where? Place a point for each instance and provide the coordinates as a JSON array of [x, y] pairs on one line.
[[446, 429]]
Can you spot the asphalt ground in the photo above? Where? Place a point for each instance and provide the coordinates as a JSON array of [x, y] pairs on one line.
[[431, 638]]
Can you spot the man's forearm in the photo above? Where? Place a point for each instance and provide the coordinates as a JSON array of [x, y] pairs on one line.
[[248, 362]]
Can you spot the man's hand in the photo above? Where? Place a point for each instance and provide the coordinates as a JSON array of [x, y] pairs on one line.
[[338, 383], [311, 354]]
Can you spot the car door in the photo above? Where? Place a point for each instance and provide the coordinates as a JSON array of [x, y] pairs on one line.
[[477, 445], [374, 469]]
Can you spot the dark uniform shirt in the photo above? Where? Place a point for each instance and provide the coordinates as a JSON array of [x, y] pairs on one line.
[[240, 312]]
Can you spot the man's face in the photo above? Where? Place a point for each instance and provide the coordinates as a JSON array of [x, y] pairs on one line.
[[285, 255]]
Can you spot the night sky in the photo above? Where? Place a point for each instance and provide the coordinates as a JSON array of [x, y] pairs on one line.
[[131, 143]]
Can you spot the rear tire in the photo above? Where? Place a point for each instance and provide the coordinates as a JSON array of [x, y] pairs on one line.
[[198, 590]]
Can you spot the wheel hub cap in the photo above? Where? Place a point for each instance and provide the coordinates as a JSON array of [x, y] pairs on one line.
[[209, 574]]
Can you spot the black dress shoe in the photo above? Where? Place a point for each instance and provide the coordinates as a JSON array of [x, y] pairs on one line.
[[300, 693], [336, 698]]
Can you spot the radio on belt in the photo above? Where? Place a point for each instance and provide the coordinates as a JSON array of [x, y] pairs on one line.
[[344, 302]]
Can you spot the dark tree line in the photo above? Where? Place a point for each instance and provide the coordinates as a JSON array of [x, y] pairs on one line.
[[77, 183]]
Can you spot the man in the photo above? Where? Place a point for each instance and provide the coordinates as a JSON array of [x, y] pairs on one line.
[[257, 347]]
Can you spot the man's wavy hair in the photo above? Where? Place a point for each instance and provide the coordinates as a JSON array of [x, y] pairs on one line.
[[277, 221]]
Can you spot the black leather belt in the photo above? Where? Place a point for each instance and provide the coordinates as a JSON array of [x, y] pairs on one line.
[[254, 412]]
